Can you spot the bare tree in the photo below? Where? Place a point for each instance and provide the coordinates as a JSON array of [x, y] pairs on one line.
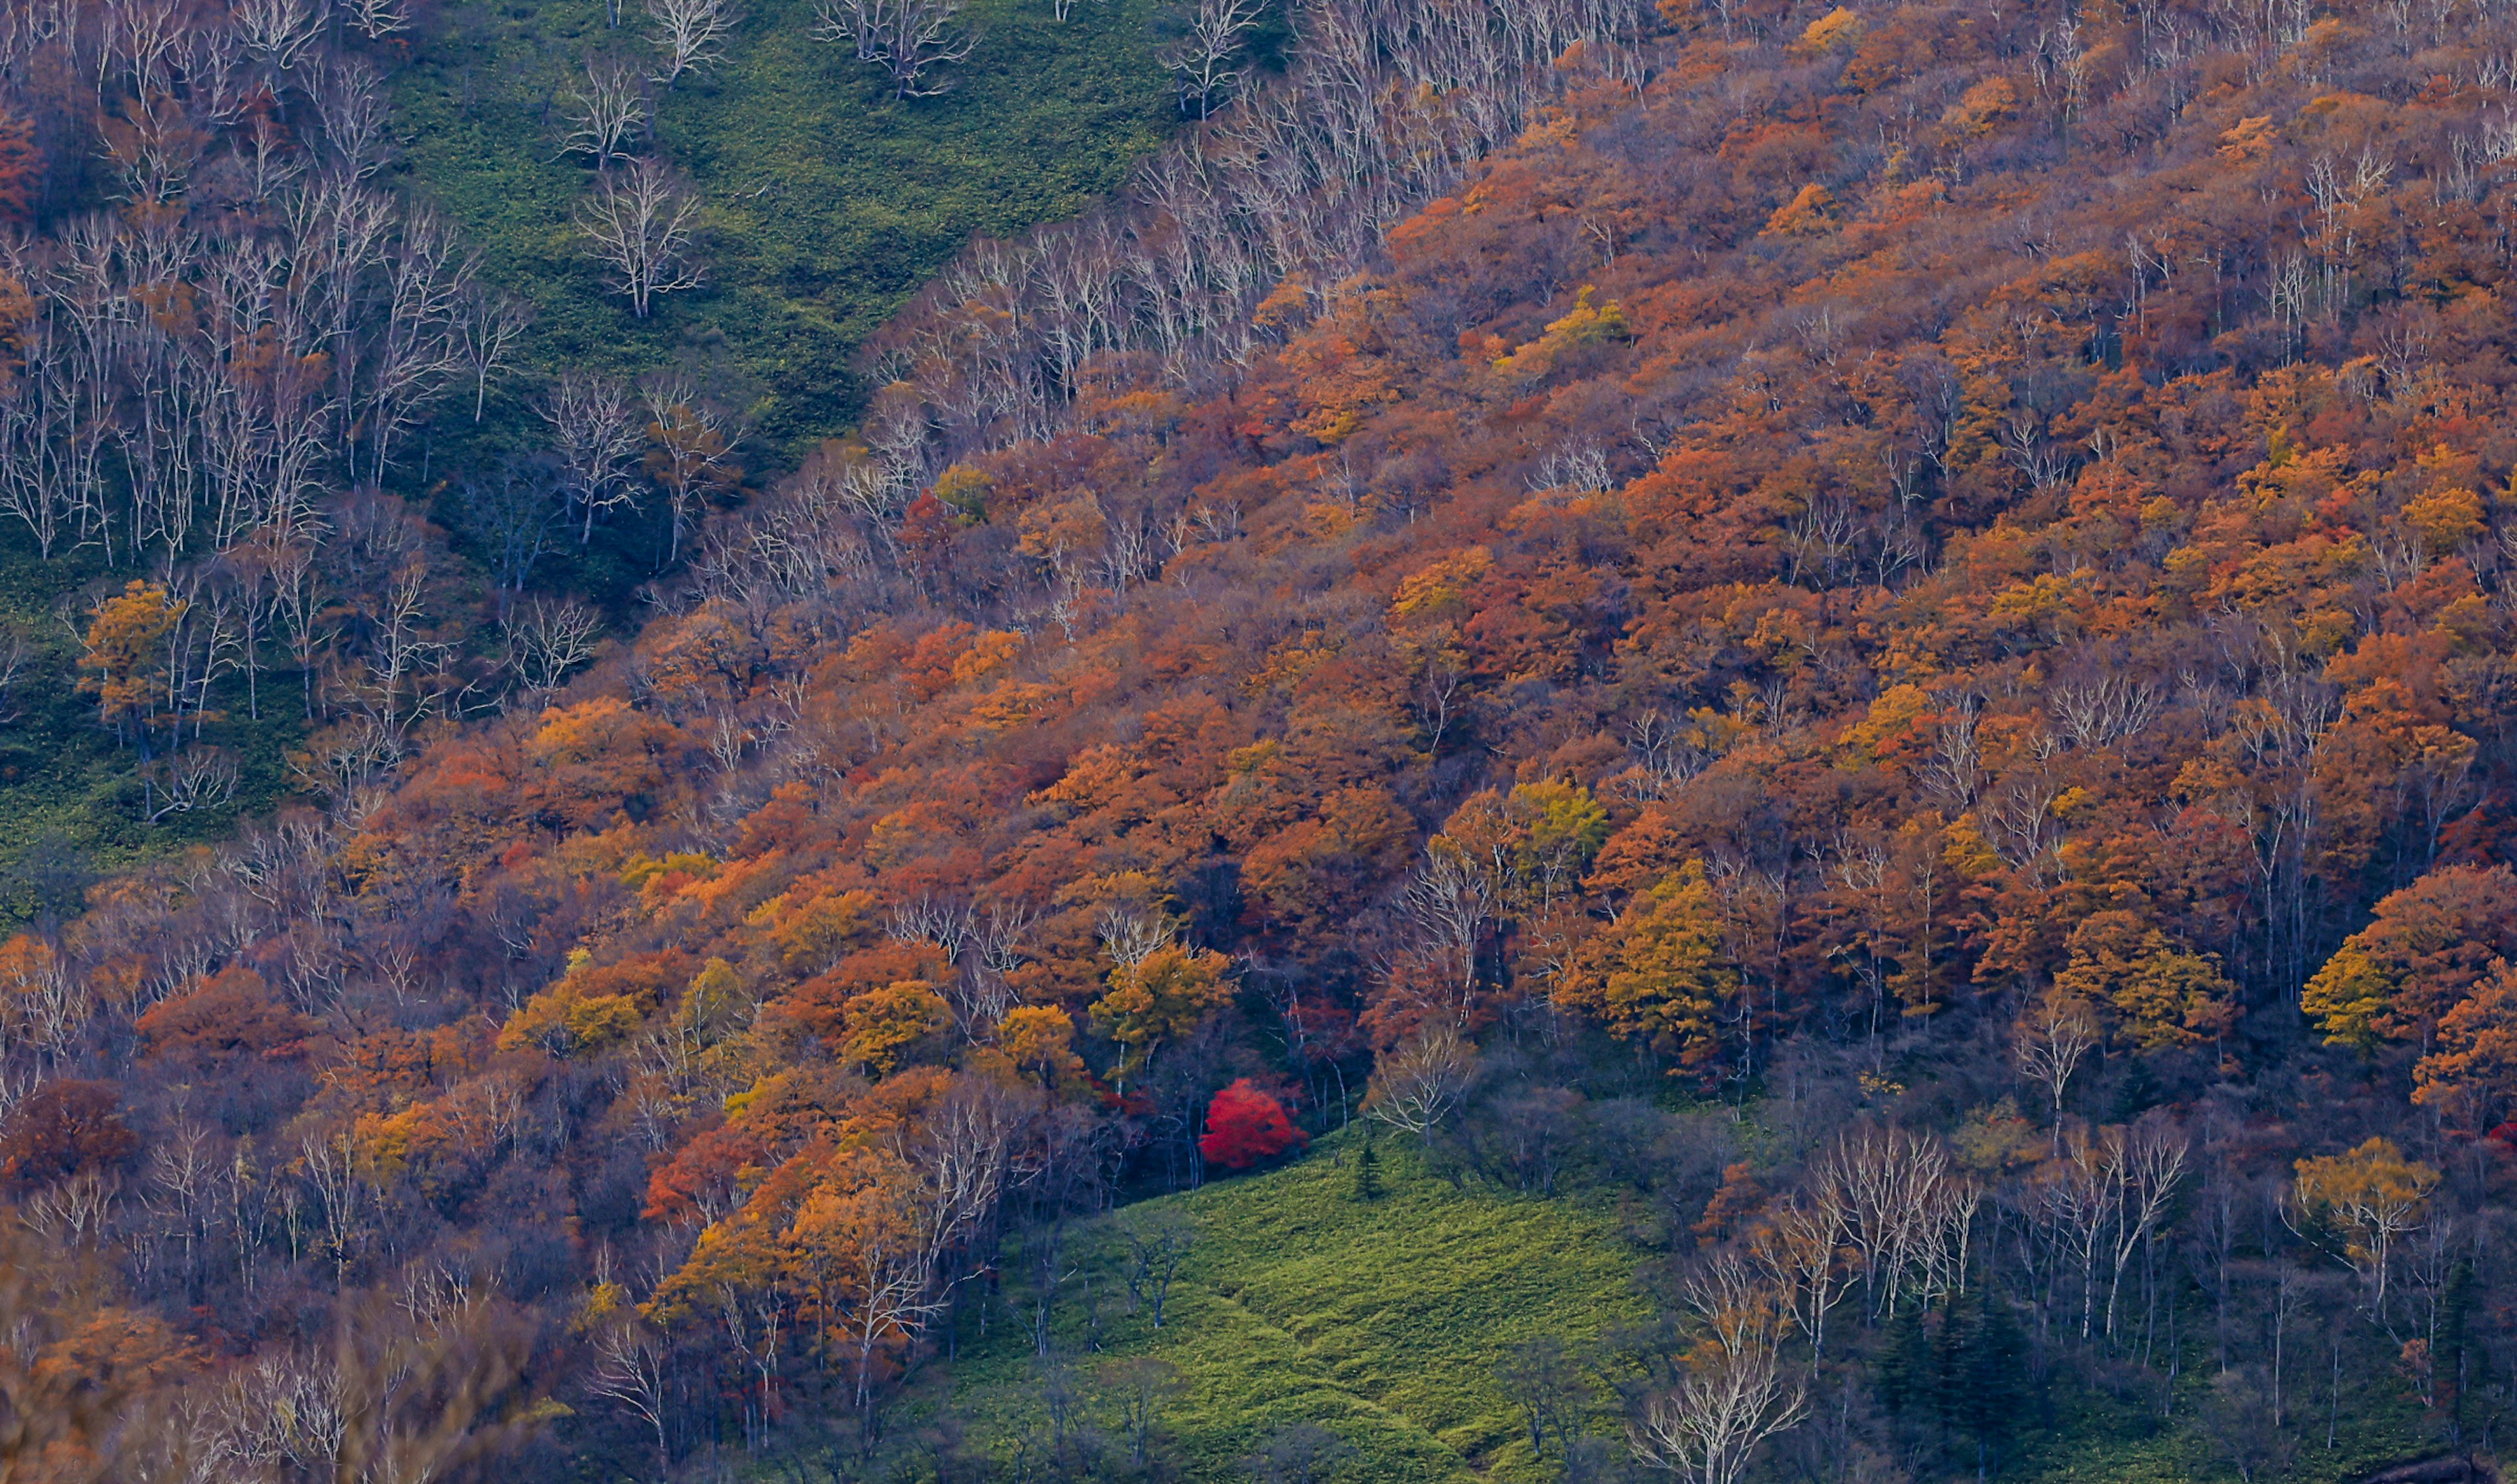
[[13, 664], [547, 640], [692, 451], [1907, 1215], [420, 351], [196, 777], [691, 33], [604, 107], [2053, 1039], [510, 514], [1139, 1385], [409, 1391], [1157, 1246], [1417, 1086], [640, 222], [2149, 1163], [1451, 902], [859, 24], [486, 327], [1544, 1382], [351, 98], [1801, 1248], [2105, 1194], [1706, 1428], [390, 659], [1305, 1453], [342, 1192], [2104, 709], [376, 19], [906, 38], [630, 1372], [594, 426], [1207, 57], [279, 32]]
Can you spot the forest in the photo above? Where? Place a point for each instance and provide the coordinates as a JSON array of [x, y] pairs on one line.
[[1526, 739]]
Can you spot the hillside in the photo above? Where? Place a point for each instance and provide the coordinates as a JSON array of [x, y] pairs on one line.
[[825, 205], [1404, 1324], [1854, 671], [1383, 1321], [828, 203]]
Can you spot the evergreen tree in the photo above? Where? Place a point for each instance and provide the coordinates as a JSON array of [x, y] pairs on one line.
[[1367, 1168]]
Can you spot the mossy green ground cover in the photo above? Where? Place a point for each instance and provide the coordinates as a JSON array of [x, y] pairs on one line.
[[68, 796], [1380, 1321], [828, 203]]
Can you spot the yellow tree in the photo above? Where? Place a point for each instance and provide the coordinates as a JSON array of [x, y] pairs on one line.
[[857, 1247], [1040, 1041], [126, 636], [2163, 995], [1560, 829], [883, 1024], [2368, 1199], [2427, 948], [1660, 971], [1159, 998]]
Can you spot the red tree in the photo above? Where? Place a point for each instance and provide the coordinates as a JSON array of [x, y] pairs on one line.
[[701, 1181], [1245, 1126], [229, 1013], [64, 1128]]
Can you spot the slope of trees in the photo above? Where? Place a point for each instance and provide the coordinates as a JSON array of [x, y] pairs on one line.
[[1560, 579]]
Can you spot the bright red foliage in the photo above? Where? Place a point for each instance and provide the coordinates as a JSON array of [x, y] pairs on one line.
[[1245, 1126]]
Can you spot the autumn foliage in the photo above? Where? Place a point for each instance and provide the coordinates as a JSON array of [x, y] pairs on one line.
[[1940, 580], [1245, 1126]]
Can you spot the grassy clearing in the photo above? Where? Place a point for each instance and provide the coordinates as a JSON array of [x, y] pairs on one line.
[[64, 787], [829, 203], [1382, 1322]]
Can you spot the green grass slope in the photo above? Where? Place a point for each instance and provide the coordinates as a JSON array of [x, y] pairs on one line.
[[1383, 1322], [828, 203], [70, 801]]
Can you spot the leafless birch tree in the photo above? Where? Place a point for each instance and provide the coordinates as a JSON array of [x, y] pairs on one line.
[[593, 424], [2054, 1038], [486, 327], [909, 39], [376, 19], [639, 224], [606, 104], [629, 1372], [1734, 1396], [1207, 57], [1417, 1084], [691, 33], [279, 32]]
